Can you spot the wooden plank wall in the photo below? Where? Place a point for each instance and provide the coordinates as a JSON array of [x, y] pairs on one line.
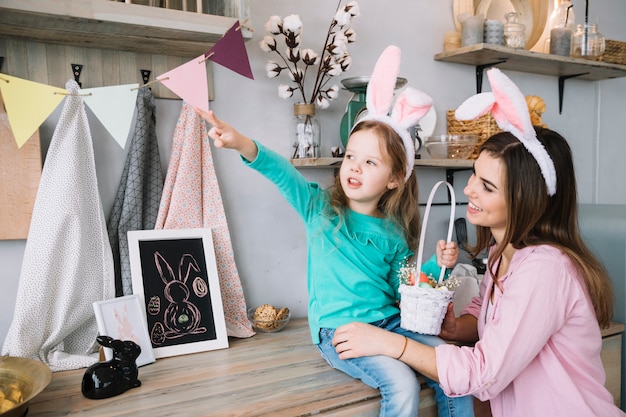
[[51, 64]]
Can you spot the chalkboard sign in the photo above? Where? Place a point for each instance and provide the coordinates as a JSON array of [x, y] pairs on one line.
[[174, 272]]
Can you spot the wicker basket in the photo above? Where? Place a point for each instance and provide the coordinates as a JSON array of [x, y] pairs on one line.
[[423, 309], [484, 127], [614, 52]]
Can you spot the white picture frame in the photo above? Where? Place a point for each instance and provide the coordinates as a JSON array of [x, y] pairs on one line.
[[123, 318], [174, 273]]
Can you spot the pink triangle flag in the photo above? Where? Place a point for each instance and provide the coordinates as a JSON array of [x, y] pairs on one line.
[[189, 82], [231, 53]]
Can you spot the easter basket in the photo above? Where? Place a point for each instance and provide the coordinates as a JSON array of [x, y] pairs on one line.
[[422, 310]]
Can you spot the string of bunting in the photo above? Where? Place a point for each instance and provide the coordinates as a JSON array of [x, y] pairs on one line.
[[28, 104]]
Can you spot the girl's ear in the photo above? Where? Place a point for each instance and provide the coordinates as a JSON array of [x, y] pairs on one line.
[[393, 183]]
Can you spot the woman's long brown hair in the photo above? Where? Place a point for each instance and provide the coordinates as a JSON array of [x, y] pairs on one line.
[[535, 218]]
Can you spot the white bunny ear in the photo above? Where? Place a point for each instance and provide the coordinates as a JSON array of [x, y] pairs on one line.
[[475, 106], [411, 105], [508, 107], [382, 83]]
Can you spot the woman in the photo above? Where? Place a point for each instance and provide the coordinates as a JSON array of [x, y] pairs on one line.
[[536, 323]]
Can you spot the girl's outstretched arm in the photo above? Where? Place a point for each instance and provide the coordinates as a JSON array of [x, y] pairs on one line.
[[225, 136]]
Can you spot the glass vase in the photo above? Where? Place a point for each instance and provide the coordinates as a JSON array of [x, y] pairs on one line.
[[305, 132]]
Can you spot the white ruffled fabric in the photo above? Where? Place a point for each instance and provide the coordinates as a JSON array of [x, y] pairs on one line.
[[68, 262]]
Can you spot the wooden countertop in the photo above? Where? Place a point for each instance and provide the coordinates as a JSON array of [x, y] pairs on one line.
[[277, 374], [269, 374]]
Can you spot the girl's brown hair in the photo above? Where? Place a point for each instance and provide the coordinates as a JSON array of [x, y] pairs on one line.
[[399, 204], [535, 218]]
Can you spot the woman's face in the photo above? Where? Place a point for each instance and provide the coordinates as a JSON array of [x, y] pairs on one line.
[[485, 192], [365, 173]]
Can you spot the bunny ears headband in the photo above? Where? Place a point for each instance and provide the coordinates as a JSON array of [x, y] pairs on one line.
[[408, 109], [509, 109]]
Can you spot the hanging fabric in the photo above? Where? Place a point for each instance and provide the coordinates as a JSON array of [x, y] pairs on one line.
[[136, 204], [191, 199], [67, 261]]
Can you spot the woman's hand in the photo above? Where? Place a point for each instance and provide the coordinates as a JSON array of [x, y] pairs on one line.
[[354, 340], [225, 136], [447, 253], [448, 327], [462, 329]]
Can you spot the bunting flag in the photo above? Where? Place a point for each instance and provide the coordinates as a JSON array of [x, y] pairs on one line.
[[114, 107], [67, 262], [230, 52], [191, 199], [28, 104], [189, 82]]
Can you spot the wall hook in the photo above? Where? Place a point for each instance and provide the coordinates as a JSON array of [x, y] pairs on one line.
[[145, 75], [76, 70]]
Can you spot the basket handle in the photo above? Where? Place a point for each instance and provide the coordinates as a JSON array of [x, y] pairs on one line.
[[420, 250]]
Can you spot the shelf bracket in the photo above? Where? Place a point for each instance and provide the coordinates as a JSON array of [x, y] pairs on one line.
[[562, 79], [480, 69]]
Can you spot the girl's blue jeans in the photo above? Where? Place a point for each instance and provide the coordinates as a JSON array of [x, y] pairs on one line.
[[397, 382]]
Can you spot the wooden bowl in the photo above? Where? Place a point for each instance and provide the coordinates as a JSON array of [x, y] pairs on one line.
[[21, 380]]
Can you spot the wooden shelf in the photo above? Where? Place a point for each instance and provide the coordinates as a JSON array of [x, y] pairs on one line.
[[335, 162], [484, 56], [532, 62], [106, 24]]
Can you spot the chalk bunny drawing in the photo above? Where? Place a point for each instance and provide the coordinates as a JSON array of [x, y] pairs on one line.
[[180, 317]]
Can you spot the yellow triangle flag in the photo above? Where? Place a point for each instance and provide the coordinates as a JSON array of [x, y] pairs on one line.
[[28, 104]]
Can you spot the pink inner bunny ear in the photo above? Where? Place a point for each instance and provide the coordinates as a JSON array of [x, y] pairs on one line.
[[411, 105], [383, 82], [511, 103]]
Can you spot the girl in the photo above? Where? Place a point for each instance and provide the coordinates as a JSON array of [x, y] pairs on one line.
[[360, 232], [536, 322]]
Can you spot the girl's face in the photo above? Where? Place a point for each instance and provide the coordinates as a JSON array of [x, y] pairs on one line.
[[485, 193], [365, 173]]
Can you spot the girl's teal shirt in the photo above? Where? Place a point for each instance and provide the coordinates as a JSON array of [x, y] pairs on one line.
[[353, 261]]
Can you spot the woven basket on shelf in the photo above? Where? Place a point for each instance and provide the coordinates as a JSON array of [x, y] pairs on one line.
[[614, 52], [485, 126]]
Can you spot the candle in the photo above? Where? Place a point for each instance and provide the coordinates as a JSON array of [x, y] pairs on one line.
[[560, 41], [472, 30], [494, 32]]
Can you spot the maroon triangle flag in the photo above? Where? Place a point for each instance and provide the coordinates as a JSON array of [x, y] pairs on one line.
[[231, 53]]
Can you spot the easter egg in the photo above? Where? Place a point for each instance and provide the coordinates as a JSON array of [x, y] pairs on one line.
[[424, 285]]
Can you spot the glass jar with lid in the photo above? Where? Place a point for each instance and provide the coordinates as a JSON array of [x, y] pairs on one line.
[[514, 32], [587, 42]]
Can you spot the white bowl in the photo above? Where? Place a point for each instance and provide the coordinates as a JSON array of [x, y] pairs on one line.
[[450, 146]]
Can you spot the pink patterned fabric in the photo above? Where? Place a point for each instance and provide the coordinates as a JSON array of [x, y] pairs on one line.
[[191, 199]]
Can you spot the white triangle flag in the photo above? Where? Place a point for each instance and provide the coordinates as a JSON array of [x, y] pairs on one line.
[[114, 107]]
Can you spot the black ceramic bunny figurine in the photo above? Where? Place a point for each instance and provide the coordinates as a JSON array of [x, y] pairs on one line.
[[107, 379]]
